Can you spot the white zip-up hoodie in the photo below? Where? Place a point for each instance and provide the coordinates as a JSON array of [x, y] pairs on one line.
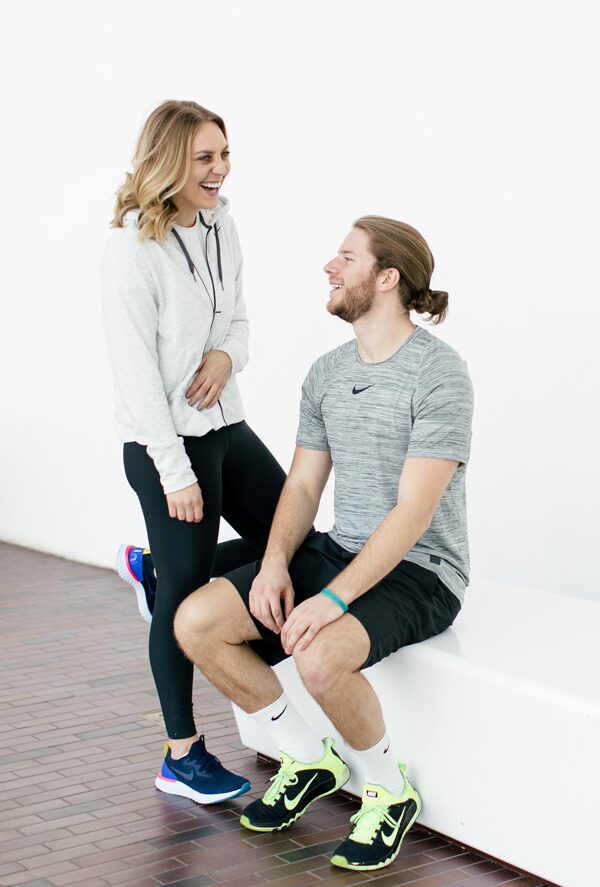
[[159, 324]]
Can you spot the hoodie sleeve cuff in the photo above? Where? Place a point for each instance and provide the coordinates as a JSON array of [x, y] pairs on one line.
[[173, 465], [237, 355]]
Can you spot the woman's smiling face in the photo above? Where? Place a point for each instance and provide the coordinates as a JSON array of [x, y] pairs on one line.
[[209, 166]]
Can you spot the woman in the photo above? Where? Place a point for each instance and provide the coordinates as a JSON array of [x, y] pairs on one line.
[[177, 335]]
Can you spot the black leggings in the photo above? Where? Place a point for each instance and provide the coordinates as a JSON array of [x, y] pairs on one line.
[[240, 480]]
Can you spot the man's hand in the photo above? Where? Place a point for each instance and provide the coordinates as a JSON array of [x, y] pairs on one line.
[[272, 586], [306, 621], [186, 504], [209, 381]]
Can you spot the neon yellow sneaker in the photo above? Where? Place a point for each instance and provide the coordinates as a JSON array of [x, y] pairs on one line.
[[379, 827], [296, 786]]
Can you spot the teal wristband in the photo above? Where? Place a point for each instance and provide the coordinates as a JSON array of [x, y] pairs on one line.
[[335, 598]]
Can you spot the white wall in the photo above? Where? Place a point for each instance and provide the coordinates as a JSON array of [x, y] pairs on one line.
[[476, 122]]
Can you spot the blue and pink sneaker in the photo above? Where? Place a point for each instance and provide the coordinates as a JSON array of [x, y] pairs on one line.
[[135, 566], [199, 776]]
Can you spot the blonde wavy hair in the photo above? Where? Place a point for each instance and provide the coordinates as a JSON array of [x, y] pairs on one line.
[[161, 166]]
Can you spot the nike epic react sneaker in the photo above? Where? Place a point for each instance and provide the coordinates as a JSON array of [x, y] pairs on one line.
[[295, 787], [199, 776], [379, 827], [135, 566]]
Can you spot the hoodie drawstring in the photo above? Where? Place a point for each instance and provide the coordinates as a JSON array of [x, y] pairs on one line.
[[219, 265]]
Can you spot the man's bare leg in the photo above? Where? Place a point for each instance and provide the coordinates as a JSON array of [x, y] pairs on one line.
[[329, 668], [212, 626]]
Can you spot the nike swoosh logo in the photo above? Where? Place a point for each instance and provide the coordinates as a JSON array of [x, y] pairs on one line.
[[187, 774], [291, 805], [276, 718], [386, 750], [356, 390], [388, 840]]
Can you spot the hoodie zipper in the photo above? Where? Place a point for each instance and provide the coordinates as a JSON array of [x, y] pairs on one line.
[[194, 271]]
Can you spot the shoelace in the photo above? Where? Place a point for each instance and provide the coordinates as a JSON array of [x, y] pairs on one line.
[[367, 821], [282, 779], [207, 762]]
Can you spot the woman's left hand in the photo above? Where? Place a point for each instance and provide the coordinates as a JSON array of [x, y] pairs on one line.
[[209, 381]]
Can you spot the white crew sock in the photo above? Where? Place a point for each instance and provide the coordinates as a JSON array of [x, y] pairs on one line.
[[290, 731], [380, 765]]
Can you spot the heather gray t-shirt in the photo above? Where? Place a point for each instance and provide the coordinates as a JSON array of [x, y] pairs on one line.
[[372, 416]]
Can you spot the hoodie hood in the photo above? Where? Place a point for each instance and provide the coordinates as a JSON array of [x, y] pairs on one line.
[[211, 216]]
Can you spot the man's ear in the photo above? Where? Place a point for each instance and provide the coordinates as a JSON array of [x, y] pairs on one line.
[[389, 278]]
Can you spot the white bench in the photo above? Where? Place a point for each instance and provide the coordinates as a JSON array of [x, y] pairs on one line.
[[498, 720]]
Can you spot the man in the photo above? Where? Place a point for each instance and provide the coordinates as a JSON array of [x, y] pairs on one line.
[[391, 412]]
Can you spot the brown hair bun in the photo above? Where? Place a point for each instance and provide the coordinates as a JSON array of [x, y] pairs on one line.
[[432, 302]]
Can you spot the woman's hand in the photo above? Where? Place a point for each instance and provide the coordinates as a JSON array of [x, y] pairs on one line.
[[186, 504], [209, 381]]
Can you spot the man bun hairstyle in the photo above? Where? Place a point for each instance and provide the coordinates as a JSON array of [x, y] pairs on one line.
[[398, 245]]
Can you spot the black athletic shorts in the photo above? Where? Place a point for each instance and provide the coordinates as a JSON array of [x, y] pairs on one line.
[[409, 605]]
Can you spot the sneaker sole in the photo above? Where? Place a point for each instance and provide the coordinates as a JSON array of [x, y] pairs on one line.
[[342, 863], [184, 791], [278, 828], [127, 576]]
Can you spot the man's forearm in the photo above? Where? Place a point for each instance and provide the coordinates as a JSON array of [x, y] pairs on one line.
[[294, 516], [384, 550]]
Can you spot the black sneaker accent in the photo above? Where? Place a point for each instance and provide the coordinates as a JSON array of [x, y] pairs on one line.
[[295, 787], [379, 853], [378, 828]]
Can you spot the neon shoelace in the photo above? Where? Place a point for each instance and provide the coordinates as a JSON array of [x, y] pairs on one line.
[[282, 779], [367, 821]]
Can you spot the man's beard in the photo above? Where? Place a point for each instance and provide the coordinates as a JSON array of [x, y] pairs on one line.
[[358, 300]]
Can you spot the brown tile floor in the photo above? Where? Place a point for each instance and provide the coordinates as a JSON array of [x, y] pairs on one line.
[[79, 754]]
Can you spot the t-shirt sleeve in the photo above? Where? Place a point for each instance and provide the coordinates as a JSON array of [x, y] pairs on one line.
[[442, 411], [311, 427]]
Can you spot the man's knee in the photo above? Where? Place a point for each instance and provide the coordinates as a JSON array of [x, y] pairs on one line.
[[194, 618], [319, 667], [338, 650], [213, 614]]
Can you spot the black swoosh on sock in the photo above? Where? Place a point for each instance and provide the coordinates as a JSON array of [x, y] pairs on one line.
[[279, 715]]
